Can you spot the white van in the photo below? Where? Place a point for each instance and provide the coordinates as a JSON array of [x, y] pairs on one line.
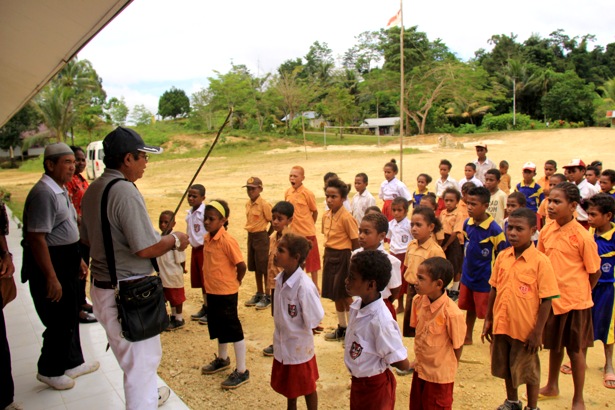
[[94, 164]]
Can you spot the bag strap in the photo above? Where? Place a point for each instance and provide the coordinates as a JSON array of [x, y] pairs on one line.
[[106, 231]]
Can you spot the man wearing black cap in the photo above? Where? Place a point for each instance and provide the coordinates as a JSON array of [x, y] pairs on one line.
[[52, 264], [134, 242]]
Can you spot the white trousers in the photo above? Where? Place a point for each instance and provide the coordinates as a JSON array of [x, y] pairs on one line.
[[138, 360]]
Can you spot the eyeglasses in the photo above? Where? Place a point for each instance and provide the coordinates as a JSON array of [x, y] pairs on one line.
[[145, 156]]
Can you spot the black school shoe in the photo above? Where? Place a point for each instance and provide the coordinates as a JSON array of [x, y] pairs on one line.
[[199, 314], [175, 324], [236, 379], [337, 335]]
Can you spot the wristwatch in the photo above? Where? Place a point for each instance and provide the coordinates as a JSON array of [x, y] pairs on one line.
[[178, 243]]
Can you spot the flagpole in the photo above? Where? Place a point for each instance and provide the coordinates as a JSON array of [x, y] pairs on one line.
[[401, 97]]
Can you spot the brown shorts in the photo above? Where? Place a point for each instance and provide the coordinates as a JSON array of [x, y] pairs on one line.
[[573, 330], [312, 262], [258, 252], [510, 360], [454, 253], [473, 301], [336, 264]]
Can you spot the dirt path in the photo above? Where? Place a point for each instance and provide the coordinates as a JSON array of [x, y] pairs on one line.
[[186, 350]]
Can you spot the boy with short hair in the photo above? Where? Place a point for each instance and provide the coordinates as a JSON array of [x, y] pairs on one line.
[[440, 331], [482, 162], [196, 234], [373, 340], [497, 204], [575, 173], [445, 181], [172, 265], [363, 199], [281, 220], [607, 180], [304, 218], [484, 239], [522, 286], [258, 217], [550, 170], [592, 175], [504, 177], [470, 175], [528, 187]]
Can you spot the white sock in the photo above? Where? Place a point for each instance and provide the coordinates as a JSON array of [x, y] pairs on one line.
[[222, 350], [179, 317], [455, 286], [173, 311], [240, 355], [341, 319]]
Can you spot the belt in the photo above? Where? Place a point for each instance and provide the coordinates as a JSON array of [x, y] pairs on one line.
[[103, 284]]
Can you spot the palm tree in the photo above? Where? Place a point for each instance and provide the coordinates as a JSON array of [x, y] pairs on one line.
[[467, 110], [56, 106], [608, 90]]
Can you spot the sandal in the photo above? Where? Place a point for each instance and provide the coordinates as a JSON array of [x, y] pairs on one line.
[[566, 368], [608, 380]]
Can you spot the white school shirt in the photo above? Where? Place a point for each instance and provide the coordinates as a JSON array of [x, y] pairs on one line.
[[194, 226], [297, 310], [360, 202], [392, 189], [171, 270], [400, 236], [442, 185], [475, 180], [373, 340], [395, 280], [587, 190], [481, 169]]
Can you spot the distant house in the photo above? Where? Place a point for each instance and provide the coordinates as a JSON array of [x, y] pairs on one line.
[[611, 115], [34, 150], [381, 126], [313, 119]]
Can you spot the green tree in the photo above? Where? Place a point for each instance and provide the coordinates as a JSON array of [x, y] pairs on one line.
[[570, 99], [116, 111], [173, 103], [26, 119], [141, 115]]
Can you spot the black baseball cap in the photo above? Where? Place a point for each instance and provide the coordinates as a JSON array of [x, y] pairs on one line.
[[124, 140]]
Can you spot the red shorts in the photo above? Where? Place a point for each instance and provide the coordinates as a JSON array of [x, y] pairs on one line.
[[426, 395], [175, 296], [373, 393], [196, 269], [386, 209], [294, 380], [440, 206], [312, 262], [404, 285], [473, 301]]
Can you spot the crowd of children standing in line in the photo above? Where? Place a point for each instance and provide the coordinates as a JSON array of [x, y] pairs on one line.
[[476, 236]]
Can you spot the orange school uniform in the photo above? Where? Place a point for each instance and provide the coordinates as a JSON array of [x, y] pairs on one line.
[[574, 256], [258, 215], [416, 254], [340, 229], [221, 254], [304, 202], [452, 222], [440, 329], [504, 184], [521, 284]]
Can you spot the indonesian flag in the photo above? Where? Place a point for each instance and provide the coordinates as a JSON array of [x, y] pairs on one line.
[[395, 20]]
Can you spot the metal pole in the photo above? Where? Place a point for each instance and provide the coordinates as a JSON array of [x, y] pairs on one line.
[[401, 97]]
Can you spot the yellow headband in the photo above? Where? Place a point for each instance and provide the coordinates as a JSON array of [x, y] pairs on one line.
[[218, 206]]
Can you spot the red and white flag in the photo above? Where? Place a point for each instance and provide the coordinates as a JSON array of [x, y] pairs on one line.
[[395, 20]]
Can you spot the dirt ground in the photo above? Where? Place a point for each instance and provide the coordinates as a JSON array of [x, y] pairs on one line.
[[186, 350]]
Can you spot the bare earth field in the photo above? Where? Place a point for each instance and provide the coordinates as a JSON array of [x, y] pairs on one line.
[[186, 350]]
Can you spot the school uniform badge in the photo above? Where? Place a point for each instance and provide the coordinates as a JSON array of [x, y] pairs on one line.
[[292, 310], [404, 238], [355, 350], [197, 228]]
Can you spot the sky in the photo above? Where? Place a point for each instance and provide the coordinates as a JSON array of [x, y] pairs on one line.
[[156, 44]]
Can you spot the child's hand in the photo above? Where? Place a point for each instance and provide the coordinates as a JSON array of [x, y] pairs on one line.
[[487, 331], [534, 342]]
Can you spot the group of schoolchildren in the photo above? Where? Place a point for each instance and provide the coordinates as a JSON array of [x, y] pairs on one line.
[[475, 234]]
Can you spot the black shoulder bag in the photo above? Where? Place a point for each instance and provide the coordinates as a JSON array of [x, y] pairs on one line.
[[141, 306]]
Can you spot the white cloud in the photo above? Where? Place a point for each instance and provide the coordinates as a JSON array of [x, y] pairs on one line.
[[155, 44]]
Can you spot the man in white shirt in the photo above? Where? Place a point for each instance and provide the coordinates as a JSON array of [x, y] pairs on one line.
[[483, 164], [575, 173]]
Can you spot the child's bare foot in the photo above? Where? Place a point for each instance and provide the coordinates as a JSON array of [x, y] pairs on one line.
[[547, 392], [467, 342], [580, 405]]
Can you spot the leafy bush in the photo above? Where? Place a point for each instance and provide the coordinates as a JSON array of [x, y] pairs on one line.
[[504, 122], [467, 129]]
